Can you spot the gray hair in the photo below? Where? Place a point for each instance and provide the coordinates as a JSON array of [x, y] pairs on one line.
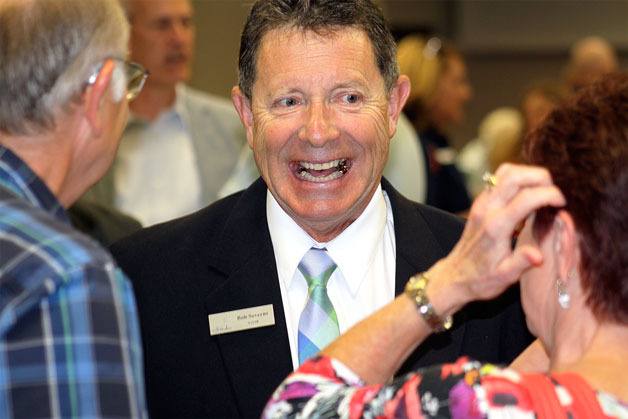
[[320, 16], [48, 50]]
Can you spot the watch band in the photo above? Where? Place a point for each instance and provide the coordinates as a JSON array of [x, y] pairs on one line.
[[416, 290]]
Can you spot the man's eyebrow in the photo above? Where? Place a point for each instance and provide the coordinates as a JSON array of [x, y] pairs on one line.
[[355, 84], [283, 92]]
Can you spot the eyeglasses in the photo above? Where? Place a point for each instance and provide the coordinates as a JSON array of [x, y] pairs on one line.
[[135, 73]]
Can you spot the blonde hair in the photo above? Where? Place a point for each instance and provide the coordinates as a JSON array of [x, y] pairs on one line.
[[423, 61], [420, 61]]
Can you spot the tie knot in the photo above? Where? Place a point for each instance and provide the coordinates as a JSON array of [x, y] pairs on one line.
[[317, 267]]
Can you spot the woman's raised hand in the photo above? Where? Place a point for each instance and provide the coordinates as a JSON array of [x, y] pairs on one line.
[[483, 263]]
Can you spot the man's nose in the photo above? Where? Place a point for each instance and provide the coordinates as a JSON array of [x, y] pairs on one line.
[[319, 126]]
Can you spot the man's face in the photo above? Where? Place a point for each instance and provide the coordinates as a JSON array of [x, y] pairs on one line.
[[319, 124], [162, 39]]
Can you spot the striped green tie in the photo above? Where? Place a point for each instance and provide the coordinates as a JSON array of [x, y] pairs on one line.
[[318, 325]]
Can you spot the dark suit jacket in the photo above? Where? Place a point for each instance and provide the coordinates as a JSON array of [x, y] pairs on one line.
[[105, 224], [221, 259]]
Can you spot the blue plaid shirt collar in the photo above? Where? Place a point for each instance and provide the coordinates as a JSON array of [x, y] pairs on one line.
[[19, 179]]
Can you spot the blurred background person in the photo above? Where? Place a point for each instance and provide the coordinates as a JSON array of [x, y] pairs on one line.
[[539, 100], [572, 261], [589, 59], [499, 132], [180, 145], [440, 90]]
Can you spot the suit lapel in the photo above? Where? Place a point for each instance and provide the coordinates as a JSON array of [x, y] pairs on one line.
[[417, 247], [256, 360]]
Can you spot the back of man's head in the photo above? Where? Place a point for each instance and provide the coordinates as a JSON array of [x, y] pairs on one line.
[[48, 49], [320, 16]]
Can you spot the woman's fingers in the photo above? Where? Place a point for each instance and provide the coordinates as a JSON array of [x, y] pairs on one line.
[[511, 179], [483, 258], [503, 221]]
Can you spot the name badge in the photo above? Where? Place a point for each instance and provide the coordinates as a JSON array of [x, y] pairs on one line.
[[243, 319]]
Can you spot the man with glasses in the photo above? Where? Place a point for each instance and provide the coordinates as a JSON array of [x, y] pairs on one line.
[[69, 336], [180, 145]]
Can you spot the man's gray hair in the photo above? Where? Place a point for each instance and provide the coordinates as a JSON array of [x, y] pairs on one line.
[[320, 16], [48, 50]]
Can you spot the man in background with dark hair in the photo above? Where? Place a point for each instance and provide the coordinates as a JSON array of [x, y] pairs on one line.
[[69, 337], [234, 297]]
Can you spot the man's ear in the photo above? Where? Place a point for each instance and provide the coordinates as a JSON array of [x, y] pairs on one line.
[[565, 245], [94, 96], [397, 99], [243, 107]]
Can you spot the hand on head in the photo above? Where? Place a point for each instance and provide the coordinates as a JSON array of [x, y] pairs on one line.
[[483, 263]]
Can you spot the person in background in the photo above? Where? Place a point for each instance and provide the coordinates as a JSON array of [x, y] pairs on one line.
[[589, 59], [234, 297], [180, 145], [69, 336], [538, 101], [499, 132], [572, 260], [440, 90]]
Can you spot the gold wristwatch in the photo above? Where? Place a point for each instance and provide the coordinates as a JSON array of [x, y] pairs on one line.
[[415, 289]]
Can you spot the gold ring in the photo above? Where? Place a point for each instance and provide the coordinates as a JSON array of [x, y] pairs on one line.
[[489, 179]]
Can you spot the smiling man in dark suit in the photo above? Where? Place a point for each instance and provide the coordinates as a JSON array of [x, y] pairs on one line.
[[227, 300]]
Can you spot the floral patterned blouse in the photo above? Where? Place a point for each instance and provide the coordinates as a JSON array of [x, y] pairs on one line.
[[324, 387]]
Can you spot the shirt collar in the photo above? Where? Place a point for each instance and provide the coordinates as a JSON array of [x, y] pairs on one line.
[[352, 250], [20, 180], [178, 110]]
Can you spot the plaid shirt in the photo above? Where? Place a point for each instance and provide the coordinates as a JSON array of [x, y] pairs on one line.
[[69, 335]]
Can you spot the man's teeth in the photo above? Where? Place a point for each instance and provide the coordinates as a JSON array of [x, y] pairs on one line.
[[321, 166], [306, 168], [307, 176]]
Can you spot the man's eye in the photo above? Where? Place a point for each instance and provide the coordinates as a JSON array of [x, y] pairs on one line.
[[351, 98], [288, 102]]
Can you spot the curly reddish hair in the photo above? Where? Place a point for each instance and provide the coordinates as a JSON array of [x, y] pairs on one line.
[[584, 145]]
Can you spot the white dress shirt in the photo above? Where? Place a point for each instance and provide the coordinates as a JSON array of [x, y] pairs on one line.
[[157, 177], [364, 253]]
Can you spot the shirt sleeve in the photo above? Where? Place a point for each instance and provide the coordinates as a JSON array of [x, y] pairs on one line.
[[325, 387], [75, 351]]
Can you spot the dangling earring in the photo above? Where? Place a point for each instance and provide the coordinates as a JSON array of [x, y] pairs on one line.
[[563, 295]]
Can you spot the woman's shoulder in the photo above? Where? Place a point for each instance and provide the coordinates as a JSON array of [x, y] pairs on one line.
[[554, 395]]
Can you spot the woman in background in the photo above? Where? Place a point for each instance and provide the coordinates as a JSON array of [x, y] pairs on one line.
[[572, 260], [440, 90]]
